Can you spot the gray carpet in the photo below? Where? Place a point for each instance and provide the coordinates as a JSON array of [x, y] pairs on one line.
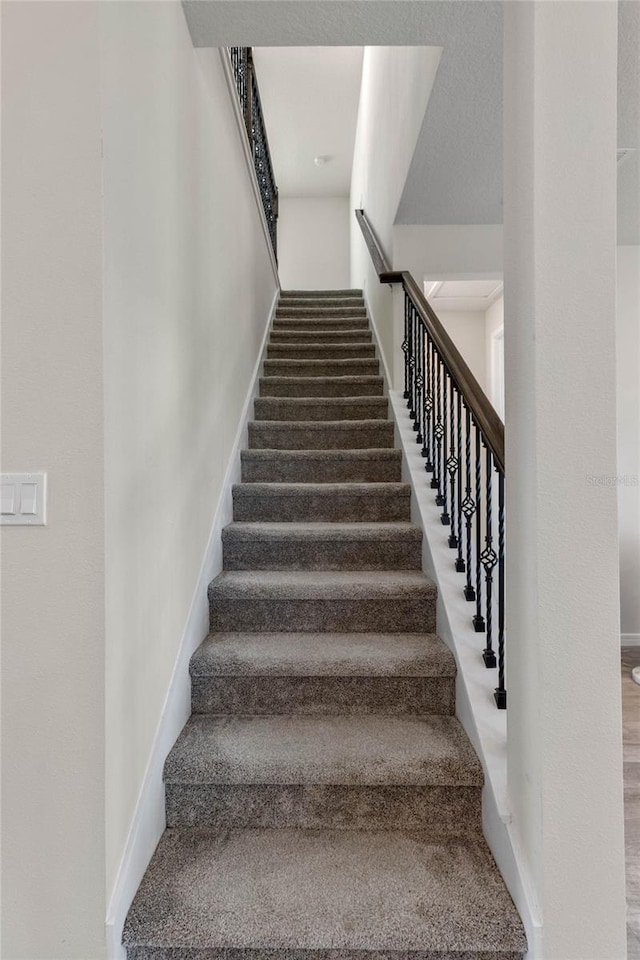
[[323, 802]]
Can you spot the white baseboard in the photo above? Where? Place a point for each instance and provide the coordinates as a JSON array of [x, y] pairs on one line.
[[148, 823], [630, 639]]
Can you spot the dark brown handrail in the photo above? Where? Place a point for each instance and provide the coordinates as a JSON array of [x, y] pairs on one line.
[[482, 410]]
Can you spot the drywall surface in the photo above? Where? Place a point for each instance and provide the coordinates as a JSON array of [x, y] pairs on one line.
[[562, 616], [471, 251], [396, 84], [494, 322], [189, 287], [313, 243], [628, 477], [467, 330], [52, 415]]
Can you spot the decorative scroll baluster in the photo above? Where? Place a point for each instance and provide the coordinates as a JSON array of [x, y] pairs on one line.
[[437, 430], [453, 420], [243, 69], [460, 564], [489, 560], [500, 694], [478, 620], [420, 381], [427, 447], [452, 465], [468, 505]]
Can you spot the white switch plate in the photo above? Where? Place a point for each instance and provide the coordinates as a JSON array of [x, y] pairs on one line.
[[24, 499]]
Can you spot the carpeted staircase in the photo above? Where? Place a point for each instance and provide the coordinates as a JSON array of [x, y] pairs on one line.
[[323, 802]]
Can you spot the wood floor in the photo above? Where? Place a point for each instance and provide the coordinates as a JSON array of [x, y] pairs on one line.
[[631, 740]]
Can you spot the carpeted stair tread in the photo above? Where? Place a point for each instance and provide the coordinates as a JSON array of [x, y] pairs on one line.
[[320, 323], [312, 311], [321, 408], [381, 465], [321, 368], [322, 895], [374, 751], [340, 386], [322, 294], [320, 336], [320, 434], [323, 655], [319, 351], [321, 585], [318, 532]]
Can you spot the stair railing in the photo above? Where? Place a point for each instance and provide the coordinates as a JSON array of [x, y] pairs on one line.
[[244, 73], [462, 442]]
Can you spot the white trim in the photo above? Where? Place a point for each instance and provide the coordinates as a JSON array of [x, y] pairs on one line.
[[630, 639], [148, 823], [484, 724], [242, 131]]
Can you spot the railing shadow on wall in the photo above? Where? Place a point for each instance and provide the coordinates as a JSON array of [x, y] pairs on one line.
[[462, 443], [244, 74]]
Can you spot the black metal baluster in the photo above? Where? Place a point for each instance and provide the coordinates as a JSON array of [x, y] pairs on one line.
[[420, 381], [489, 560], [428, 408], [445, 519], [405, 347], [468, 504], [460, 564], [437, 430], [452, 465], [500, 694], [415, 410], [478, 620], [411, 362]]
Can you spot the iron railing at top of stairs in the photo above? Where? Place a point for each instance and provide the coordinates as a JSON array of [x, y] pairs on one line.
[[462, 442], [249, 93]]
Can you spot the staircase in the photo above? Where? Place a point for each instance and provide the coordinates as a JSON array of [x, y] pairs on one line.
[[323, 802]]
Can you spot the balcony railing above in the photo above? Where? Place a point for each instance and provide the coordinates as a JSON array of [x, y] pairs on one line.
[[249, 93]]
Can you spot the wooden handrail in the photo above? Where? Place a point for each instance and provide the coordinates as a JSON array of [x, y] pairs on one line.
[[481, 408]]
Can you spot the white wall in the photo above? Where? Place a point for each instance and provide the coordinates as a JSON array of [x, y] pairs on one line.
[[189, 287], [467, 330], [52, 414], [494, 321], [396, 85], [449, 251], [313, 243], [628, 380]]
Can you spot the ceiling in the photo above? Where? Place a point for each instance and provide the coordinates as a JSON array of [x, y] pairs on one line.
[[464, 295], [456, 172], [300, 88]]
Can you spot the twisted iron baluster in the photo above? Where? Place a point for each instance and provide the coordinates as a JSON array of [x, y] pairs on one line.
[[478, 620], [415, 410], [468, 504], [420, 382], [437, 430], [460, 564], [452, 466], [405, 347], [489, 560], [428, 403], [444, 516], [500, 694]]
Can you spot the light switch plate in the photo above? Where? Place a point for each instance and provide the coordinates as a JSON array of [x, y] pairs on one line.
[[23, 500]]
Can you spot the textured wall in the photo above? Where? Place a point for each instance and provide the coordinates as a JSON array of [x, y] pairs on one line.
[[52, 417], [188, 292], [313, 243]]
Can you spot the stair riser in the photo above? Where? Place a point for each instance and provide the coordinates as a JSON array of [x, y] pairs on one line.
[[270, 408], [225, 953], [308, 312], [322, 302], [320, 351], [293, 470], [339, 616], [320, 294], [445, 811], [267, 435], [321, 387], [310, 507], [322, 555], [321, 368], [316, 696], [320, 336], [320, 323]]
